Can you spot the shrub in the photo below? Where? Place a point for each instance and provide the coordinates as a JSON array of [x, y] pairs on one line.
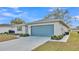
[[11, 31], [24, 35], [1, 33], [27, 34], [5, 33], [78, 32], [60, 36], [16, 34], [66, 33], [53, 37], [57, 37]]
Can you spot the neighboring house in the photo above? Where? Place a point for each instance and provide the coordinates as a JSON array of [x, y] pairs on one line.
[[47, 27], [75, 29], [18, 28], [4, 28]]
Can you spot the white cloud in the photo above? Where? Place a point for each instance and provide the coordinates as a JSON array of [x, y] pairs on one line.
[[13, 15], [19, 11], [14, 7], [21, 15], [50, 10], [4, 10], [27, 16], [7, 14], [76, 17]]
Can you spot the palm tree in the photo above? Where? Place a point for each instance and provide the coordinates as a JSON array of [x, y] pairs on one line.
[[17, 21]]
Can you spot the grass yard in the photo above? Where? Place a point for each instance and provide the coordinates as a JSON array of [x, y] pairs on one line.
[[6, 37], [71, 45]]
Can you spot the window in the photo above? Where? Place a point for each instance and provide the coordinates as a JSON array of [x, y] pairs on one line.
[[19, 28]]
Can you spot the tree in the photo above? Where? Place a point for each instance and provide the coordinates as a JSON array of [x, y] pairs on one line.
[[17, 21], [59, 13]]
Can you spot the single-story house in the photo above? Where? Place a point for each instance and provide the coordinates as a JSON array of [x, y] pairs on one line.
[[47, 27], [17, 28], [75, 29]]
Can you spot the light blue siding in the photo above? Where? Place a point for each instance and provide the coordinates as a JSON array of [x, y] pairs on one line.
[[42, 30]]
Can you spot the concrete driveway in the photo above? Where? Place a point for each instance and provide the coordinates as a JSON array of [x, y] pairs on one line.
[[23, 43]]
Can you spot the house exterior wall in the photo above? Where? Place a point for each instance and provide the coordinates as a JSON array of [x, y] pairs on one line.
[[24, 29], [64, 29], [75, 30], [57, 30], [60, 29], [4, 29], [57, 27]]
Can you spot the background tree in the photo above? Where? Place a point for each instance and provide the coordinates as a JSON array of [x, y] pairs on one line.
[[60, 13], [17, 21]]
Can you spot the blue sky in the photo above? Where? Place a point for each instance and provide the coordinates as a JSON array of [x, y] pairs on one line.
[[30, 14]]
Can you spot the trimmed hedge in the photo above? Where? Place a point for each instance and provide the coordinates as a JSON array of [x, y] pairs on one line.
[[5, 33], [66, 33], [23, 35], [57, 37], [11, 32], [78, 32]]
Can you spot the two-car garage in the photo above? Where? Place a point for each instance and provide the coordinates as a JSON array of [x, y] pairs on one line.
[[47, 27], [42, 30]]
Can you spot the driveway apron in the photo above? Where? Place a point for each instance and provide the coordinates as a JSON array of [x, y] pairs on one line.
[[23, 43]]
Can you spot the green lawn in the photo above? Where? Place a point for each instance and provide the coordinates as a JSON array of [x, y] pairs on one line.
[[71, 45]]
